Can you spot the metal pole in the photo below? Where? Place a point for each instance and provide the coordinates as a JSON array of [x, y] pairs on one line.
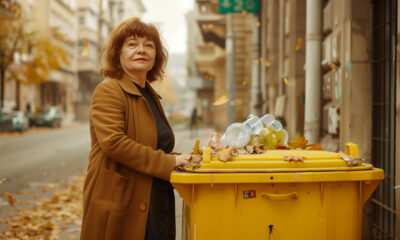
[[255, 77], [230, 68], [313, 71]]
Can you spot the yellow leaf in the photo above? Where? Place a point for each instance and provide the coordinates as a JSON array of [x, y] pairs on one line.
[[221, 100], [48, 225], [299, 43], [196, 147], [315, 146], [11, 199], [298, 142], [85, 51], [286, 81]]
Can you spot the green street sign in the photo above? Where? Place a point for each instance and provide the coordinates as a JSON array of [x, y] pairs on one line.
[[232, 6]]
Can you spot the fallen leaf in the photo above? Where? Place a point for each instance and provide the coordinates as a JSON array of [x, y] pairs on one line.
[[293, 158], [196, 148], [224, 155], [315, 146], [298, 142]]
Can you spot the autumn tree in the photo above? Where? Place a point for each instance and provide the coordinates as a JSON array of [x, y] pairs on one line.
[[25, 55]]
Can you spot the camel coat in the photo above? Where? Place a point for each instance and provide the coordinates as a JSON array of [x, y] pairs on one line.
[[122, 162]]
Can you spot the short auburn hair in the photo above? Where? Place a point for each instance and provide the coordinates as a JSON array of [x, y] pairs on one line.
[[110, 65]]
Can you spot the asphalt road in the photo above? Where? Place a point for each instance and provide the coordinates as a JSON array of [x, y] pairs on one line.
[[43, 156]]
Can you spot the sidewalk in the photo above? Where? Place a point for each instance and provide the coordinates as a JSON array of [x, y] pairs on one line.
[[31, 130]]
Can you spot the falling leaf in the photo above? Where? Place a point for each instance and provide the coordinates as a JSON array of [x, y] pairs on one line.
[[299, 44], [286, 81], [221, 100], [2, 180], [315, 146], [334, 67], [267, 63], [298, 142], [85, 51], [244, 12], [244, 83], [11, 199], [258, 23]]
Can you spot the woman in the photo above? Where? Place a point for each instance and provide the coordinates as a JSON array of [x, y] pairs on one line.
[[126, 193]]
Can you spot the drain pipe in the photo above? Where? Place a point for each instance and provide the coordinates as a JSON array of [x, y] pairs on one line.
[[313, 71], [255, 76]]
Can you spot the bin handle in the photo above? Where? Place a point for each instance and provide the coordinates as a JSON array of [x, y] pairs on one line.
[[279, 197]]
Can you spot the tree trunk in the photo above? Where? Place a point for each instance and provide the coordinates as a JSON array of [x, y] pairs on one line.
[[2, 75], [18, 94]]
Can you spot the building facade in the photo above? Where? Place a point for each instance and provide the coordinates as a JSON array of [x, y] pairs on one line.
[[207, 64], [358, 85]]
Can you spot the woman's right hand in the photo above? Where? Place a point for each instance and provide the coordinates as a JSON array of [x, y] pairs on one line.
[[182, 160]]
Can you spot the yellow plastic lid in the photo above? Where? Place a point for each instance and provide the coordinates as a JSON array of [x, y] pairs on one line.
[[281, 161]]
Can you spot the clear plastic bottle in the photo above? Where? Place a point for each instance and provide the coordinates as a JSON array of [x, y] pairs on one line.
[[254, 124], [237, 135], [267, 119], [276, 125]]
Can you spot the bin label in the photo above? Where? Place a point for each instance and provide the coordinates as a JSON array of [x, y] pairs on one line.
[[249, 194]]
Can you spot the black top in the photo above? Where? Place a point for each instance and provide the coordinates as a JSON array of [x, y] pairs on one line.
[[161, 217], [164, 133]]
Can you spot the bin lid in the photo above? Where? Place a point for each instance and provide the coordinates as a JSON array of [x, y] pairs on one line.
[[285, 161]]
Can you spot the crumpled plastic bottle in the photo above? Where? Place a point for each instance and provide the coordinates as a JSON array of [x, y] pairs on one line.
[[237, 135]]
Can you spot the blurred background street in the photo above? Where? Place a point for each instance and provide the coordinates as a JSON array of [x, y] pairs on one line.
[[327, 70]]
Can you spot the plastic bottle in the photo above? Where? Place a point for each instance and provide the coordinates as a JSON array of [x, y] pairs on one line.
[[215, 141], [276, 125], [237, 135], [254, 124], [267, 119]]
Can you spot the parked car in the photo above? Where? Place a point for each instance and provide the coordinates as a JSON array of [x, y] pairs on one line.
[[20, 121], [6, 124], [46, 116]]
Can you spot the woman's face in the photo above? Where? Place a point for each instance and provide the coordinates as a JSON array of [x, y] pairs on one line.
[[137, 54]]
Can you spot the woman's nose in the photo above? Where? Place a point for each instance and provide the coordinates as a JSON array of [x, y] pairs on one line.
[[140, 48]]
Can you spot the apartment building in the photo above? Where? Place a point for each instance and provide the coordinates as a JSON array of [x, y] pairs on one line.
[[207, 62], [96, 21]]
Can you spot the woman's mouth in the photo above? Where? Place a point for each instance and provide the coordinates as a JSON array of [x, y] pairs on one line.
[[140, 59]]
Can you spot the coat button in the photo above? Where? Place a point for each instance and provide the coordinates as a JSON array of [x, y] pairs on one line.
[[143, 207]]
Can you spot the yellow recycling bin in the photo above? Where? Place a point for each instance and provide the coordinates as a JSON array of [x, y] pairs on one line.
[[263, 196]]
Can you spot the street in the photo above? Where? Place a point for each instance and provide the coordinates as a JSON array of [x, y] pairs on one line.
[[33, 165]]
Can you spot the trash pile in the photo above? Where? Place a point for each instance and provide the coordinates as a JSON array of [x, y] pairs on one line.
[[254, 134]]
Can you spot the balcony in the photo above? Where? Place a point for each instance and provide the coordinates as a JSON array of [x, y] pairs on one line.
[[199, 83]]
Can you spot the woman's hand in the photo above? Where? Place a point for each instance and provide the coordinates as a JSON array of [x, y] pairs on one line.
[[182, 160]]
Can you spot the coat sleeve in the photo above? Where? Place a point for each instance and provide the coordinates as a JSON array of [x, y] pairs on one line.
[[107, 116]]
